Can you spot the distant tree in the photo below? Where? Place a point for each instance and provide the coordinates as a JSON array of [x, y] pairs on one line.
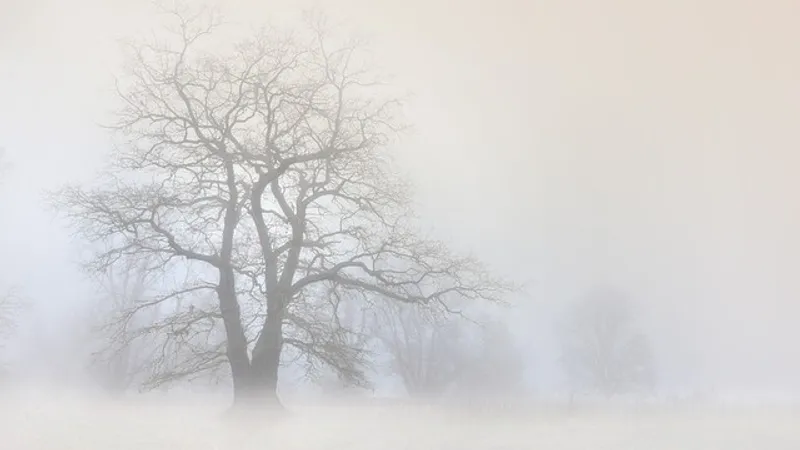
[[495, 367], [424, 346], [11, 305], [602, 350], [123, 353], [10, 301], [435, 352]]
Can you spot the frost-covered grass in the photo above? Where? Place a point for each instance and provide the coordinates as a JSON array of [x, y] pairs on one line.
[[60, 421]]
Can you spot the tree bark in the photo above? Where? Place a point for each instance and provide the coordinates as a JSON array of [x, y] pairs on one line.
[[266, 356], [236, 350]]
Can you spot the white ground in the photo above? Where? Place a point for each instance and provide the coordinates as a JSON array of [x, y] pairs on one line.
[[71, 422]]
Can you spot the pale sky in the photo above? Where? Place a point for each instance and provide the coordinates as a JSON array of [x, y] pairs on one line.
[[648, 145]]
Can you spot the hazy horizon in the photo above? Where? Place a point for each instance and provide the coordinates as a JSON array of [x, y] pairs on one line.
[[569, 144]]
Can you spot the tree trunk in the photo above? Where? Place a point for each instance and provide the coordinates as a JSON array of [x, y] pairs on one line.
[[260, 387], [236, 350], [255, 378], [267, 355], [256, 395]]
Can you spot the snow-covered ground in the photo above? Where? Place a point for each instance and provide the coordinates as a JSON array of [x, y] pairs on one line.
[[70, 421]]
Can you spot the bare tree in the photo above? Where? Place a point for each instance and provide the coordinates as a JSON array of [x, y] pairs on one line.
[[10, 302], [121, 361], [426, 348], [263, 174], [602, 350], [11, 305], [436, 353], [495, 367]]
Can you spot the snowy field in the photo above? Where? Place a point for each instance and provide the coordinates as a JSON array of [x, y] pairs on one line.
[[68, 422]]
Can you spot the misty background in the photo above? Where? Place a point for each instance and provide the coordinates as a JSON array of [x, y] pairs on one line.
[[569, 144]]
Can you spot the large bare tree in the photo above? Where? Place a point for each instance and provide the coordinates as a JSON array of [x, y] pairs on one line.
[[261, 171]]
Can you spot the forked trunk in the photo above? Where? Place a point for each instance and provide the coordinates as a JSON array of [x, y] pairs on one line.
[[258, 388]]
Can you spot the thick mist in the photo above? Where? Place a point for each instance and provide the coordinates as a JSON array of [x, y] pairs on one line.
[[572, 146]]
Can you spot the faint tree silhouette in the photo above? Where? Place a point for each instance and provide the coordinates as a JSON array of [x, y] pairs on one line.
[[602, 350]]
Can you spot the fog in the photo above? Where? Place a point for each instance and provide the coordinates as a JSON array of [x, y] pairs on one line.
[[645, 146]]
